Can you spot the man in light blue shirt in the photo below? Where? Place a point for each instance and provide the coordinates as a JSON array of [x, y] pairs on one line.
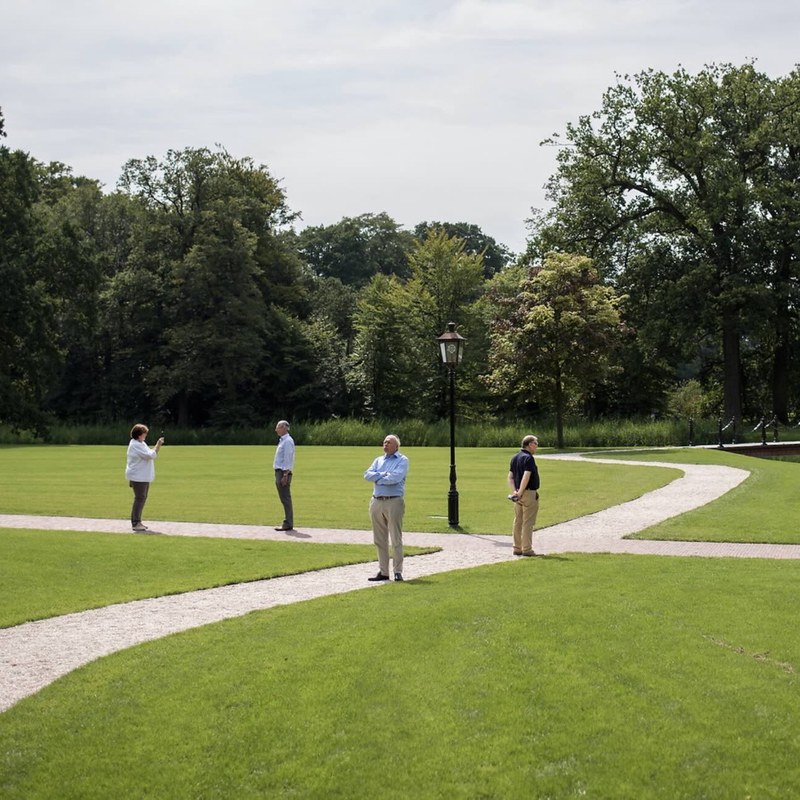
[[387, 506], [283, 465]]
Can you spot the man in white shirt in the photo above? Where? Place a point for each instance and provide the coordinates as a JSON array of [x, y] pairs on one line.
[[283, 465]]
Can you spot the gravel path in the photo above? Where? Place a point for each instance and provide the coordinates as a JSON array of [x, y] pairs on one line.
[[35, 654]]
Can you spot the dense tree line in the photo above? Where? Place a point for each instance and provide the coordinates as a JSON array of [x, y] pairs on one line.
[[664, 276], [186, 297]]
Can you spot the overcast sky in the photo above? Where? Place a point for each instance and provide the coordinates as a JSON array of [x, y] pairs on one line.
[[425, 109]]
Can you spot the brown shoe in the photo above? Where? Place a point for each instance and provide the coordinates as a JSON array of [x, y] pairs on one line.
[[528, 553], [518, 552]]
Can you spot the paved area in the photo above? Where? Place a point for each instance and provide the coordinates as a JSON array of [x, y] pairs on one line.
[[35, 654]]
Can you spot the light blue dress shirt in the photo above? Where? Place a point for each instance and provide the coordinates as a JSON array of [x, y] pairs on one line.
[[388, 473]]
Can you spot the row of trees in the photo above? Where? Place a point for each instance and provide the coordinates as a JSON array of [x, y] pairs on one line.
[[187, 296], [670, 254]]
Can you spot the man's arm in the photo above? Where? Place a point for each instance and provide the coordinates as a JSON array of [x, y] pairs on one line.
[[372, 474], [397, 474], [288, 456]]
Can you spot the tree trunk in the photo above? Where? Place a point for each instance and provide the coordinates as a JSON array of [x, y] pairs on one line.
[[781, 356], [732, 382], [559, 412], [183, 410], [780, 377]]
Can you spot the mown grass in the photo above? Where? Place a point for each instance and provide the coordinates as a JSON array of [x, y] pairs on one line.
[[236, 485], [567, 676], [48, 573], [765, 508], [562, 677]]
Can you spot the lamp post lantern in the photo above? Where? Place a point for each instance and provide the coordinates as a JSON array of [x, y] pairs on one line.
[[451, 348]]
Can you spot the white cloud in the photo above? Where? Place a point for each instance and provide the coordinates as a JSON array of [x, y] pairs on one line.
[[428, 110]]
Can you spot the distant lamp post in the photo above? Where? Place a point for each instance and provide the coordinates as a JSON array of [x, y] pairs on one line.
[[451, 347]]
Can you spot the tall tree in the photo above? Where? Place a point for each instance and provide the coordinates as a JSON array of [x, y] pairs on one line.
[[678, 163], [396, 367], [494, 255], [356, 248], [225, 287], [390, 364], [553, 341], [445, 277], [778, 191], [29, 353], [70, 246], [446, 284]]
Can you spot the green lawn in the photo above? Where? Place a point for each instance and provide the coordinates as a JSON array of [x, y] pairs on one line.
[[765, 508], [236, 485], [48, 573], [562, 677], [567, 676]]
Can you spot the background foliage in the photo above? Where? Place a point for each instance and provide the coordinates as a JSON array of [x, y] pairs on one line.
[[188, 297]]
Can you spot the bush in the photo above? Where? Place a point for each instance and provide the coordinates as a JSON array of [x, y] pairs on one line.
[[490, 432]]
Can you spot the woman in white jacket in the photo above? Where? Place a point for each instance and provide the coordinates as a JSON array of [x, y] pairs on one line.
[[140, 471]]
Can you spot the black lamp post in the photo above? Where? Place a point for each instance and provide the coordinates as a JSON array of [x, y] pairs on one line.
[[451, 347]]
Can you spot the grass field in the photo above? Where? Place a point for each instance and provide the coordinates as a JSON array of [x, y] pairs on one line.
[[235, 484], [568, 676], [48, 573], [765, 508], [571, 676]]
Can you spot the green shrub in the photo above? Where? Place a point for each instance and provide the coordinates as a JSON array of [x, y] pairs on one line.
[[488, 432]]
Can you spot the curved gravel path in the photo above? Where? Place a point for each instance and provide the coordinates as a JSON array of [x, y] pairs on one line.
[[35, 654]]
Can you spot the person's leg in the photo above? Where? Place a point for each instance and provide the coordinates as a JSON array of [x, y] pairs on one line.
[[380, 533], [140, 489], [395, 511], [285, 495], [517, 527], [530, 509]]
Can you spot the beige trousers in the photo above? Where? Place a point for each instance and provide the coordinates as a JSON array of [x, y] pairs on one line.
[[525, 511], [387, 522]]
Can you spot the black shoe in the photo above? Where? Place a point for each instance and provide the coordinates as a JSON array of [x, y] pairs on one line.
[[398, 576], [284, 528], [379, 577]]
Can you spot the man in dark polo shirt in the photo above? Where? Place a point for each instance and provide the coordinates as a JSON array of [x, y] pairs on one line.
[[523, 479]]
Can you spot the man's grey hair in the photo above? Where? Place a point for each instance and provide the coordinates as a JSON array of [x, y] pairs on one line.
[[528, 439], [282, 423], [395, 437]]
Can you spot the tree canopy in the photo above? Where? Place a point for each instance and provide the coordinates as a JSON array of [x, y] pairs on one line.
[[356, 248], [683, 188], [553, 339], [665, 275]]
